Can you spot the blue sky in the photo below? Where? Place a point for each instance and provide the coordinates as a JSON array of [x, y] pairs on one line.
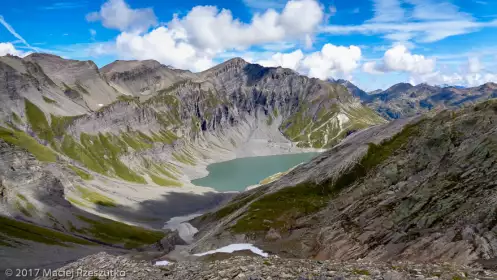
[[374, 43]]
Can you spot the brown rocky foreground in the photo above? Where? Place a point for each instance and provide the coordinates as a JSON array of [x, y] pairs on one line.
[[258, 268]]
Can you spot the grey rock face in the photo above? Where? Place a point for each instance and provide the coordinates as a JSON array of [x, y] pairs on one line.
[[142, 78], [75, 77]]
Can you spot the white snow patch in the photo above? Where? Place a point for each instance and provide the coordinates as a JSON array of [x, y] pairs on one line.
[[185, 230], [100, 105], [235, 247], [162, 263]]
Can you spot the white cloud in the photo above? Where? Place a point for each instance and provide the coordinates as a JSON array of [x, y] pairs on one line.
[[471, 74], [419, 20], [371, 68], [422, 31], [469, 79], [194, 40], [387, 11], [13, 32], [117, 14], [436, 10], [9, 48], [399, 59], [166, 46], [212, 29], [474, 65], [278, 46], [287, 60], [331, 62]]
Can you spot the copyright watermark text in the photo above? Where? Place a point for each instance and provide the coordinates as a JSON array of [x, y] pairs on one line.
[[63, 273]]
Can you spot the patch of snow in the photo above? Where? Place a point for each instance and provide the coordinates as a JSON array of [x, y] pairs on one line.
[[160, 263], [100, 105], [180, 219], [236, 247], [185, 230]]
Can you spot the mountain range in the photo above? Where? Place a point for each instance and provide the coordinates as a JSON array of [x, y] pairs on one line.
[[99, 159], [404, 100], [78, 142]]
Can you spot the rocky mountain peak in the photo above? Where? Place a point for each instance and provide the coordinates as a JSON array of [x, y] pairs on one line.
[[235, 64], [235, 61], [38, 55], [400, 87], [490, 85], [130, 65]]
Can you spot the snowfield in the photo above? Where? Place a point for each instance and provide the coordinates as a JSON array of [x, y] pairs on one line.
[[235, 247]]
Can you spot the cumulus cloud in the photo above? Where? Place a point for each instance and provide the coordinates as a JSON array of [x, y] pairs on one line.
[[287, 60], [330, 62], [195, 40], [9, 48], [209, 28], [116, 14], [474, 74], [468, 79], [164, 45], [399, 59], [371, 68]]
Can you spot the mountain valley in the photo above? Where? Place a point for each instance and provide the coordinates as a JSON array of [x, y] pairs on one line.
[[102, 159], [82, 145]]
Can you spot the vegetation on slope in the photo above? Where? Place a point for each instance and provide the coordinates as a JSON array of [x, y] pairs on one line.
[[280, 209], [118, 233], [23, 140], [24, 206], [184, 157], [49, 100], [16, 118], [38, 122], [81, 173], [328, 125], [95, 197], [101, 154], [59, 124], [161, 181], [12, 229]]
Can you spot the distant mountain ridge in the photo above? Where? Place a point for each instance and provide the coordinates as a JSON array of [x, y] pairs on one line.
[[404, 99]]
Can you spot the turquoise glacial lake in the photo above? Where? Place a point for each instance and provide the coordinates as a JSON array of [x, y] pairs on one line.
[[238, 174]]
